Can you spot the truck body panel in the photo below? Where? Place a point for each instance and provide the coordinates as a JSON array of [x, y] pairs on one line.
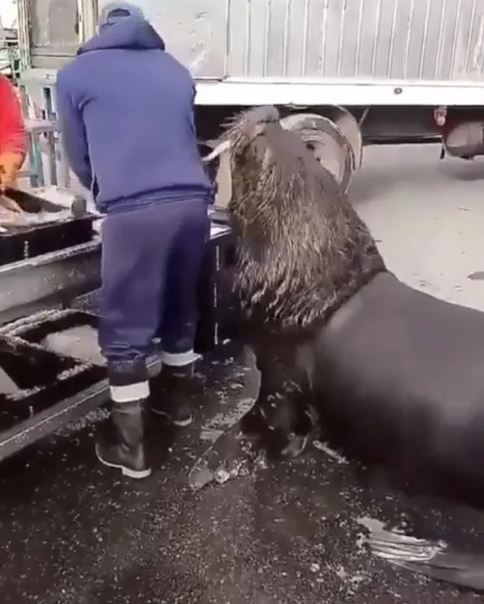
[[350, 52]]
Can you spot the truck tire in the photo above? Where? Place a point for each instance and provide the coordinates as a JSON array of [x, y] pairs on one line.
[[329, 145], [350, 128]]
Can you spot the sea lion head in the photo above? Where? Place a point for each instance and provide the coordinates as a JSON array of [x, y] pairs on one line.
[[272, 172], [302, 249]]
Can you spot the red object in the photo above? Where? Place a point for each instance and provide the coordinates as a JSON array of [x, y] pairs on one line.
[[12, 129]]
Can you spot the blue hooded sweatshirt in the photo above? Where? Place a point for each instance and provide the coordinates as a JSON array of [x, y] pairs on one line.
[[125, 109]]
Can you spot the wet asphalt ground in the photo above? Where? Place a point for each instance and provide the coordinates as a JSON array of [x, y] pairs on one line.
[[74, 532]]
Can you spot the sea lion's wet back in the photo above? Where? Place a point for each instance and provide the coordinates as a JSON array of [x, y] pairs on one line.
[[399, 379]]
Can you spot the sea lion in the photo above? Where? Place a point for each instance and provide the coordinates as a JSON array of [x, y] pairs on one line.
[[302, 251], [395, 375]]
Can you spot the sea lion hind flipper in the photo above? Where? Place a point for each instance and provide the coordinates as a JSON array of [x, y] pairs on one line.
[[465, 570], [429, 558]]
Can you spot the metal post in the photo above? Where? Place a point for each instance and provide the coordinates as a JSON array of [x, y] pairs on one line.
[[24, 34], [89, 11], [51, 146]]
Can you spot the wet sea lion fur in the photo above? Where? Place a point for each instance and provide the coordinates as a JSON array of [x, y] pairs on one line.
[[302, 249]]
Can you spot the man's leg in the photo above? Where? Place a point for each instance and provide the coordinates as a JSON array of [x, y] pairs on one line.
[[173, 388], [135, 246]]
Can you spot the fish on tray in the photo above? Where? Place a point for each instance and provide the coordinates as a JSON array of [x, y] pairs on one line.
[[10, 212], [13, 217]]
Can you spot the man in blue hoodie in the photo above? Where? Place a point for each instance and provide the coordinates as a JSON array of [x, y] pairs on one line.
[[125, 108]]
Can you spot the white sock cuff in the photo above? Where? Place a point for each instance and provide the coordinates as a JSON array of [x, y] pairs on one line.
[[180, 359], [130, 393]]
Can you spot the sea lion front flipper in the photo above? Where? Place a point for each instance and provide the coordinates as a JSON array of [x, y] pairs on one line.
[[231, 455], [430, 558], [296, 446]]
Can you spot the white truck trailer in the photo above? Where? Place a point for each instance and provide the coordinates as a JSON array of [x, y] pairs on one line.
[[396, 69]]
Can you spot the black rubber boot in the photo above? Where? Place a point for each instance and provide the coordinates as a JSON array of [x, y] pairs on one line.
[[172, 392], [121, 443]]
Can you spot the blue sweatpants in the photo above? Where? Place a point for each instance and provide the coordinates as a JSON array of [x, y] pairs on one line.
[[151, 263]]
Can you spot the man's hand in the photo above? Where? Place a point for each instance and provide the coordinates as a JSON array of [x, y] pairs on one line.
[[10, 164]]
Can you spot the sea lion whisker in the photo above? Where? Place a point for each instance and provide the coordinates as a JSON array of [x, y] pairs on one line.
[[219, 149]]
